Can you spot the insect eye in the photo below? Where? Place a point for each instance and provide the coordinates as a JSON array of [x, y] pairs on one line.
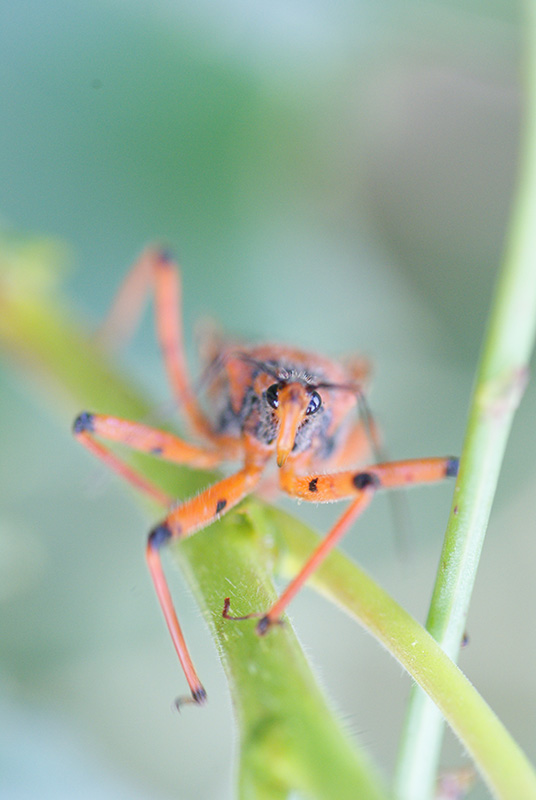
[[272, 395], [314, 403]]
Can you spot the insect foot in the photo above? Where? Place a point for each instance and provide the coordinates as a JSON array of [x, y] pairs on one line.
[[197, 698], [265, 623]]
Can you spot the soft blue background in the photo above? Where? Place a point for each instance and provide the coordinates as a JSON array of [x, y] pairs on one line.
[[336, 175]]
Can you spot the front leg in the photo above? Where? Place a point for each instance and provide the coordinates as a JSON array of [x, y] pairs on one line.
[[361, 485], [182, 521], [344, 485], [88, 428]]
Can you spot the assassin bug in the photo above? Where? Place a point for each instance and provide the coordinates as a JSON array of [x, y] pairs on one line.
[[265, 402]]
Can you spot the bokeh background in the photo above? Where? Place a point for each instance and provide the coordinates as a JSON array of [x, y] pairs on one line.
[[336, 175]]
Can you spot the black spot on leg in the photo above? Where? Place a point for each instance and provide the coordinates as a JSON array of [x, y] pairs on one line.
[[159, 536], [362, 480], [156, 451], [220, 505], [84, 422], [199, 696], [451, 469], [263, 625], [165, 256], [313, 485]]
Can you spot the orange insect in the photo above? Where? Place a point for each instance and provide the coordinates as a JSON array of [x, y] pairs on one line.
[[265, 401]]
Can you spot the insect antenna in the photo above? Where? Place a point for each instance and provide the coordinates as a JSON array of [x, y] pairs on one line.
[[397, 500], [263, 366], [210, 372], [219, 363]]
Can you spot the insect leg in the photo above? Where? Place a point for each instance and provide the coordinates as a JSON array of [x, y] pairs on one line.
[[186, 519], [128, 304], [322, 551], [144, 439], [344, 485], [361, 485], [155, 269], [182, 521], [169, 331]]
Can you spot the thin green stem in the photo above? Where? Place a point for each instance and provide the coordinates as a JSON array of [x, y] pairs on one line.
[[499, 387]]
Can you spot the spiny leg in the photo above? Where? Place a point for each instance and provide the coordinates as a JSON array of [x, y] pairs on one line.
[[345, 485]]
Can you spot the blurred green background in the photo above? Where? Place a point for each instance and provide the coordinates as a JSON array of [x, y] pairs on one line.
[[337, 175]]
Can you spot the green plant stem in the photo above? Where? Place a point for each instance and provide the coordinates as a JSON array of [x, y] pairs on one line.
[[290, 739], [499, 387], [500, 760]]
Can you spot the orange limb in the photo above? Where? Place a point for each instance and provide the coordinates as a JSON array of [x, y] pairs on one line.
[[196, 513], [343, 485], [120, 467], [155, 269], [119, 325], [318, 556], [150, 440], [273, 616], [185, 519], [144, 439], [169, 332], [154, 563], [182, 521]]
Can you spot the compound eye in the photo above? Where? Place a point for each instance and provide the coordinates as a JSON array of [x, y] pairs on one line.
[[314, 403], [272, 395]]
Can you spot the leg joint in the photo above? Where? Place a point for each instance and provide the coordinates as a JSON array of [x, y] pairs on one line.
[[366, 480], [159, 536], [164, 257], [451, 469], [84, 422]]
